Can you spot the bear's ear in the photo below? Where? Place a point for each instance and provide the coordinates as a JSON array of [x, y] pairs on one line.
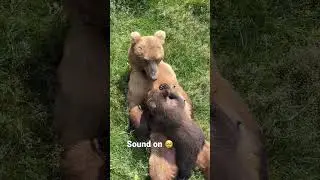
[[161, 35], [135, 36]]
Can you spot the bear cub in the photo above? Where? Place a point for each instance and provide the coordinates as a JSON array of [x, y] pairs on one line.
[[167, 116]]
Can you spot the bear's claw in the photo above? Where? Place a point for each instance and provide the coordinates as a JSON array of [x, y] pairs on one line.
[[164, 86]]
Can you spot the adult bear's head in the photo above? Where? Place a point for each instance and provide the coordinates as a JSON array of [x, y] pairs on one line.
[[146, 52]]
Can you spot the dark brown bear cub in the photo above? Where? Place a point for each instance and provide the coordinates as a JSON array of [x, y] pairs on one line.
[[168, 117]]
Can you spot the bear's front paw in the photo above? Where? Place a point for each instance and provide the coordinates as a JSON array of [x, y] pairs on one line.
[[164, 86]]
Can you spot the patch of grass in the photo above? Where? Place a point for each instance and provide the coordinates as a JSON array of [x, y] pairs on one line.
[[270, 51], [30, 43], [186, 49]]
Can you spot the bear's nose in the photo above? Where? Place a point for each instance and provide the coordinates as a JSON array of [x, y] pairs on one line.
[[153, 76]]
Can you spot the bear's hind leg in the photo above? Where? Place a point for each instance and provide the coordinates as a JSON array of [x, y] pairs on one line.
[[135, 115], [162, 165], [203, 160]]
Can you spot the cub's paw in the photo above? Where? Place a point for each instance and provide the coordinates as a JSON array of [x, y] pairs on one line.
[[164, 86]]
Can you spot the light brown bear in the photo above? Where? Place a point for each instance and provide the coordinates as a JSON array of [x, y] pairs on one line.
[[148, 71]]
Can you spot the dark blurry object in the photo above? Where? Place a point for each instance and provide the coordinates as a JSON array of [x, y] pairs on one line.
[[237, 145], [81, 102]]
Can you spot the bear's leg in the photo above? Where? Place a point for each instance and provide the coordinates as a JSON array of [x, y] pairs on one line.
[[162, 165], [186, 161], [137, 89], [140, 130], [135, 114], [82, 161], [203, 160]]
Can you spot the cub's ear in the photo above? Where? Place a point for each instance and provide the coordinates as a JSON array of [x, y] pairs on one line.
[[135, 37], [161, 35]]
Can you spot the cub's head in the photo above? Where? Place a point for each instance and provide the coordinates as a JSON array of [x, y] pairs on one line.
[[147, 52], [164, 100]]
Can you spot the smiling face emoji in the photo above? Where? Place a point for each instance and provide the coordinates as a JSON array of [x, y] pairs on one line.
[[168, 144]]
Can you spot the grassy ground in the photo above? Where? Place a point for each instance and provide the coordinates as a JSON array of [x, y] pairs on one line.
[[187, 50], [270, 51], [30, 42]]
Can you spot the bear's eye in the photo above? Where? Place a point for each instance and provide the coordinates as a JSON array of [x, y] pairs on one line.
[[140, 48]]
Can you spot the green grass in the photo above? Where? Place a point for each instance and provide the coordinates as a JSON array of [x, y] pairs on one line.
[[270, 52], [186, 49], [30, 43]]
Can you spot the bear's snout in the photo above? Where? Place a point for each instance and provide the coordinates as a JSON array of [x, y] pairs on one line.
[[152, 70], [153, 76]]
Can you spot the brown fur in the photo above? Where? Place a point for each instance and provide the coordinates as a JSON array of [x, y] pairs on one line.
[[169, 118], [80, 106], [162, 161], [83, 161], [140, 83], [238, 148], [203, 160]]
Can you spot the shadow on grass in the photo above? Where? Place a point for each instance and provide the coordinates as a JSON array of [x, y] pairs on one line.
[[40, 82]]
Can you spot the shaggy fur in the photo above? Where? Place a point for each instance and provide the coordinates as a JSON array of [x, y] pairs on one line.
[[168, 117], [148, 71]]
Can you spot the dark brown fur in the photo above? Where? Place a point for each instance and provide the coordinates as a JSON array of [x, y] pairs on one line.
[[83, 161], [168, 117], [80, 112], [143, 52]]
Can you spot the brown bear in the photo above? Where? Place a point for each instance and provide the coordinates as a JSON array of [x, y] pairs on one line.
[[81, 102], [168, 117], [148, 71]]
